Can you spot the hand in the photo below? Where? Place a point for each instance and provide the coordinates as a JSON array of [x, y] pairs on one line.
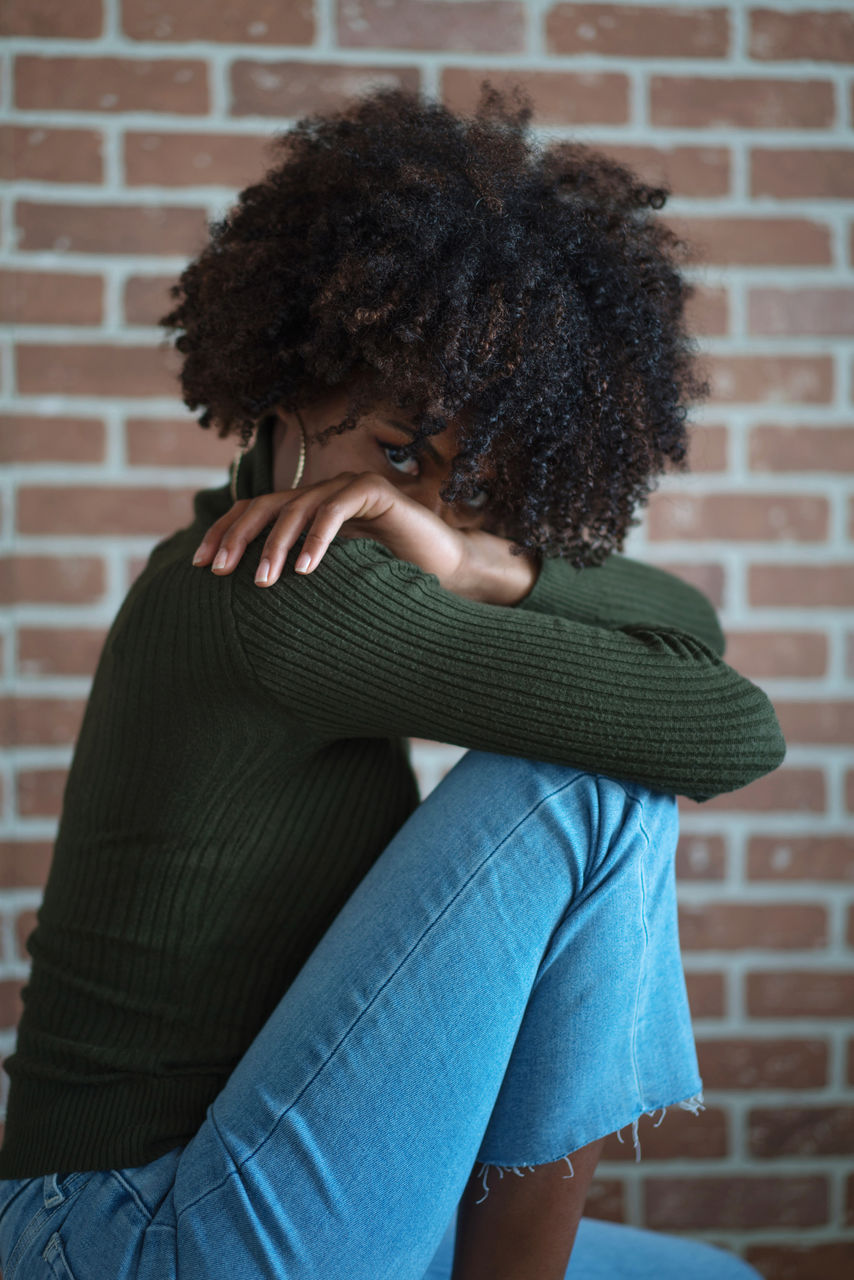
[[471, 563]]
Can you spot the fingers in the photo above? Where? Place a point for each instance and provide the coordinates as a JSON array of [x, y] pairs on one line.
[[210, 543], [225, 542], [326, 514], [228, 537]]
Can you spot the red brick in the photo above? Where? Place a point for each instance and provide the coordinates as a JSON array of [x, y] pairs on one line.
[[11, 1005], [802, 448], [698, 102], [737, 517], [730, 1202], [59, 651], [763, 1064], [76, 228], [801, 1131], [294, 87], [161, 442], [792, 173], [24, 926], [37, 154], [605, 1200], [815, 993], [678, 1135], [229, 22], [41, 722], [77, 20], [793, 312], [133, 568], [813, 721], [708, 449], [831, 1261], [176, 86], [700, 857], [812, 858], [458, 26], [194, 159], [561, 97], [146, 299], [91, 510], [759, 654], [25, 439], [40, 792], [707, 313], [787, 790], [71, 579], [826, 35], [83, 370], [637, 31], [24, 864], [706, 994], [733, 926], [50, 297], [755, 241], [689, 171], [708, 578], [801, 585], [783, 379]]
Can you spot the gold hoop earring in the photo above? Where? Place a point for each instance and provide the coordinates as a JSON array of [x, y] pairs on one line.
[[238, 458]]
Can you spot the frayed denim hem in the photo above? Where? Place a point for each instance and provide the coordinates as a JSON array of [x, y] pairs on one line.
[[694, 1104]]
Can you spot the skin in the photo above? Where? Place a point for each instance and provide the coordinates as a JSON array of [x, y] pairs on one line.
[[359, 450], [526, 1226], [357, 485]]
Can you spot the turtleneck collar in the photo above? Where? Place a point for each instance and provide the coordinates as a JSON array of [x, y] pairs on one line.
[[254, 477], [255, 473]]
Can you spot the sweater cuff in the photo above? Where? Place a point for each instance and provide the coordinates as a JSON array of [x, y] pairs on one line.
[[554, 592]]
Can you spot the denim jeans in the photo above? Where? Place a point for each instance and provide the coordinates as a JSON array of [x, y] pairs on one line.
[[503, 987]]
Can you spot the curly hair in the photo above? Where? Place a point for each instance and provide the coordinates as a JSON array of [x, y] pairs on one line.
[[454, 267]]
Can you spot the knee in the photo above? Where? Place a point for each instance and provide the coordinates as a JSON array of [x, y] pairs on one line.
[[600, 810]]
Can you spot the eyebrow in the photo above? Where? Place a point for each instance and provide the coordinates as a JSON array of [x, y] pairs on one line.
[[410, 431]]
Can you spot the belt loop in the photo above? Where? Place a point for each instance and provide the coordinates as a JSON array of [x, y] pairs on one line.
[[52, 1191]]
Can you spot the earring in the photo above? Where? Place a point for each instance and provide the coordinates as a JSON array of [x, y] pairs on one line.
[[238, 458], [301, 462]]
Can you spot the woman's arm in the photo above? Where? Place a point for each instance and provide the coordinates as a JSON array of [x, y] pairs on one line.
[[370, 645], [623, 592]]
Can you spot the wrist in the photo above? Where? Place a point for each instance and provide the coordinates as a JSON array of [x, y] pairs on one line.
[[491, 575]]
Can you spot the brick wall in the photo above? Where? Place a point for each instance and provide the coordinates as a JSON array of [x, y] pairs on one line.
[[125, 125]]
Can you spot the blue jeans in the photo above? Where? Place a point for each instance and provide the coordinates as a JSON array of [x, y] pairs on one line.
[[504, 986]]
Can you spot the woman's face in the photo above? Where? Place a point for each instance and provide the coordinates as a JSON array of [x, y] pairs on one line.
[[374, 445]]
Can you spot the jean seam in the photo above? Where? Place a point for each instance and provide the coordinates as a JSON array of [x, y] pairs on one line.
[[42, 1218], [133, 1193], [644, 959], [571, 782]]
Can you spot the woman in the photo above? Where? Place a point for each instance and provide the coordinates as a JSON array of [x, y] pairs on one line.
[[282, 1017]]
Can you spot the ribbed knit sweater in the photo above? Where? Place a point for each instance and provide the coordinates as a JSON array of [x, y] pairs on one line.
[[243, 760]]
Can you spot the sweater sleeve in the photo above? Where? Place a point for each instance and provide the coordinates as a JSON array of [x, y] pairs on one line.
[[368, 645], [624, 592]]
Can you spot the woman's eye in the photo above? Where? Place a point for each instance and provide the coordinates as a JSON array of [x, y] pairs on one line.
[[393, 453], [480, 499]]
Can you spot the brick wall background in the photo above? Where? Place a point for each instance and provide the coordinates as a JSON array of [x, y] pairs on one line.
[[126, 125]]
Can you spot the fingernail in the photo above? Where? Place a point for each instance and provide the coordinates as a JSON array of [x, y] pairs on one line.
[[263, 571], [221, 560], [303, 562], [198, 557]]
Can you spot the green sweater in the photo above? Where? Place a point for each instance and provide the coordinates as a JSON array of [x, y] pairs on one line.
[[243, 760]]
